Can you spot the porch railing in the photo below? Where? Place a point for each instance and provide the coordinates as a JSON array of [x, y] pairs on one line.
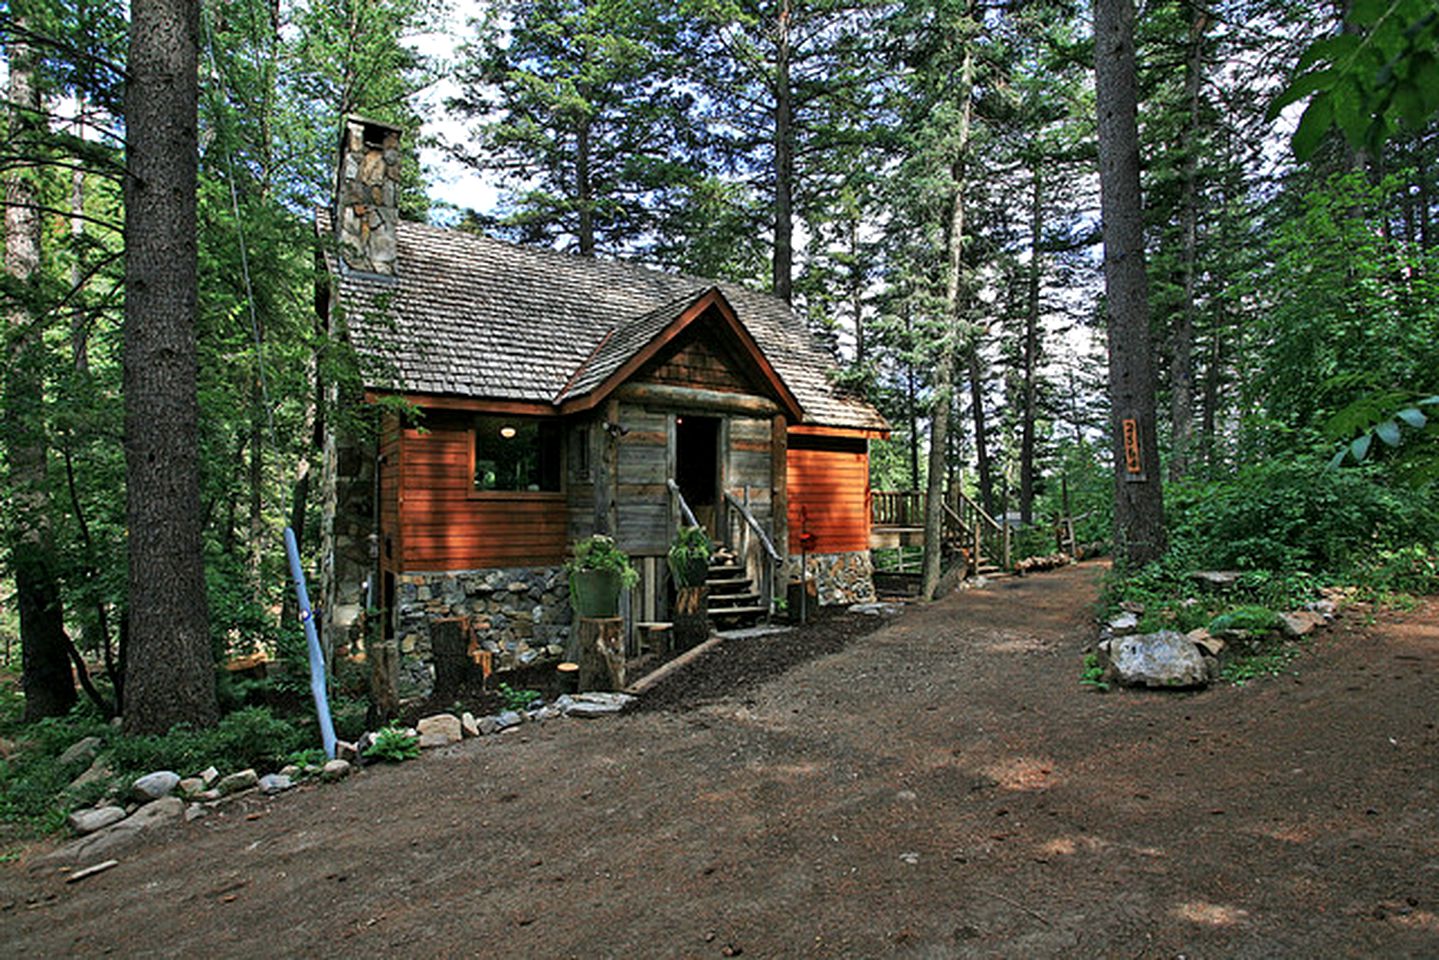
[[965, 524], [749, 533]]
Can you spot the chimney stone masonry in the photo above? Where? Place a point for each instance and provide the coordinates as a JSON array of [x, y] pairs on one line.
[[366, 196]]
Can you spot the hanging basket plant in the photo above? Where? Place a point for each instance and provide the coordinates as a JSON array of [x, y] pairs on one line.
[[599, 570]]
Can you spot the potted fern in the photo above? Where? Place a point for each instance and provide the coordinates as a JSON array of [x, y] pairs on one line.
[[689, 557], [598, 571]]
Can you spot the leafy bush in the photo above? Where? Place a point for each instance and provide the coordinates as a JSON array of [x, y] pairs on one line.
[[516, 699], [1294, 515], [252, 737], [393, 745], [1254, 619]]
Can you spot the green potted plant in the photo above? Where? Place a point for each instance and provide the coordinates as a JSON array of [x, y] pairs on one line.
[[689, 557], [599, 570]]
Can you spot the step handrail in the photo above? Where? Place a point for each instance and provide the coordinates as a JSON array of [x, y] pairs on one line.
[[754, 525], [679, 498]]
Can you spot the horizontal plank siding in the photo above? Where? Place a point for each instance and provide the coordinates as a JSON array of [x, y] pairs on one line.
[[444, 526], [828, 497], [641, 494]]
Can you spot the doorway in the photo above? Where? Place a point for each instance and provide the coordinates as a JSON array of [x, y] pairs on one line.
[[697, 466]]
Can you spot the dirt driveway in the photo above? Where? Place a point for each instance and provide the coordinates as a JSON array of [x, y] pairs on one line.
[[940, 788]]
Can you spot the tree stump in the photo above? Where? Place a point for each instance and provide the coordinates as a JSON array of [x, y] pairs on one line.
[[450, 646], [602, 653], [384, 682], [692, 624]]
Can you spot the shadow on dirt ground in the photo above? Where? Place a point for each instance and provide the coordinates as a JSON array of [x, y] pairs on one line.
[[942, 787]]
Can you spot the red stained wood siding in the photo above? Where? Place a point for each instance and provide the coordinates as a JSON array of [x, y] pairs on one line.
[[829, 493], [391, 538], [445, 525]]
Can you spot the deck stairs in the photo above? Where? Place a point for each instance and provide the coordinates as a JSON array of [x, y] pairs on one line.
[[732, 600]]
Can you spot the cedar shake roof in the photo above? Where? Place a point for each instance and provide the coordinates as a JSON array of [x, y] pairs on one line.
[[472, 317]]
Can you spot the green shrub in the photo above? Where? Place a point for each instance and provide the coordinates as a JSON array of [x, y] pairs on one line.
[[1253, 619], [252, 737], [393, 745], [516, 699], [1294, 515]]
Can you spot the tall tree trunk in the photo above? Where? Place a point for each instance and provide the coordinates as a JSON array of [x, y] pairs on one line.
[[783, 268], [170, 675], [856, 287], [981, 430], [79, 324], [912, 396], [1029, 400], [1181, 371], [46, 679], [584, 193], [944, 362], [1139, 535]]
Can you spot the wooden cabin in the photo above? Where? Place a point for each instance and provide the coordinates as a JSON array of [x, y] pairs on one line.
[[532, 398]]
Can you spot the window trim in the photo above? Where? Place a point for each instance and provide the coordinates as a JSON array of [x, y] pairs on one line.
[[511, 495]]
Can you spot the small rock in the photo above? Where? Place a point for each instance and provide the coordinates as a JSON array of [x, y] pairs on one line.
[[1123, 625], [345, 750], [292, 771], [207, 796], [81, 751], [488, 726], [95, 818], [510, 718], [190, 786], [195, 811], [439, 730], [235, 782], [1209, 646], [97, 771], [469, 725], [877, 609], [209, 775], [588, 710], [273, 783], [153, 786], [1300, 623], [1216, 579], [336, 769]]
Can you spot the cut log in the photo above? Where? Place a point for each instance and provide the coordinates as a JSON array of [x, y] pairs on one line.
[[692, 625], [450, 644], [384, 682], [602, 653]]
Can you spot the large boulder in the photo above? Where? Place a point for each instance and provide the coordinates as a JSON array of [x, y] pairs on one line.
[[439, 730], [1167, 659]]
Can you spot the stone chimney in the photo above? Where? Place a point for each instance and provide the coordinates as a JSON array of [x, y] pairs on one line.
[[366, 193]]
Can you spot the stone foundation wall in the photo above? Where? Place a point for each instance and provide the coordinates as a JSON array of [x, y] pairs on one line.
[[840, 578], [521, 615]]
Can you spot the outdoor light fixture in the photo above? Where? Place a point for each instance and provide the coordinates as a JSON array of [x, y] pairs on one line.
[[508, 432]]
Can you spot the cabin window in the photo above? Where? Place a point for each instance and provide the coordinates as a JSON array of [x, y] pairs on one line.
[[514, 454]]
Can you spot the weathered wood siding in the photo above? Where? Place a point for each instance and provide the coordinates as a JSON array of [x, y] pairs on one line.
[[444, 525], [698, 359], [642, 499], [747, 466], [580, 478], [828, 488]]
